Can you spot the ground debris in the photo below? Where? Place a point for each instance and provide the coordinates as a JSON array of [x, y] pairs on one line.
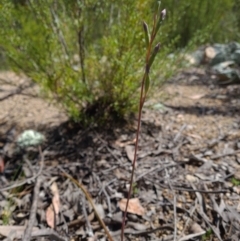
[[186, 183]]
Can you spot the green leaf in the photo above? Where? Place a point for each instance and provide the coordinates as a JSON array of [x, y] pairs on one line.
[[146, 32]]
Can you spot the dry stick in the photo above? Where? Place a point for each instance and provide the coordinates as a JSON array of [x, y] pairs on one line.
[[91, 202], [192, 190], [225, 154], [175, 216], [133, 232], [28, 231], [190, 217], [204, 216], [50, 233], [18, 233], [89, 228], [191, 236], [105, 193], [218, 208], [154, 169], [174, 209]]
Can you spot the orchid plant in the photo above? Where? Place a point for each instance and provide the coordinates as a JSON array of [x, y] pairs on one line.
[[151, 52]]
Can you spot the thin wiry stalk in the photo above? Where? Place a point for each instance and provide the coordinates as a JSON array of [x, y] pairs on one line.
[[150, 55], [141, 102]]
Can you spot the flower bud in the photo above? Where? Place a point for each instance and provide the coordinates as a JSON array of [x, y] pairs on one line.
[[163, 14]]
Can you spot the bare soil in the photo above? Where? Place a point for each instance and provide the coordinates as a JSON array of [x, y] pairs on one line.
[[187, 176]]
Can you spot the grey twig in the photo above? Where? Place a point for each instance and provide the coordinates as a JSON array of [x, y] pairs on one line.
[[175, 216], [178, 135], [191, 236], [225, 154], [50, 233], [174, 208], [190, 216], [133, 232], [192, 190], [89, 228], [28, 230], [204, 216], [16, 232], [154, 169], [105, 193]]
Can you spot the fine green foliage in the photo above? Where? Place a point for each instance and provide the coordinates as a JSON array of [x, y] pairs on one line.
[[200, 21], [86, 57], [235, 182], [7, 213], [207, 235], [135, 188]]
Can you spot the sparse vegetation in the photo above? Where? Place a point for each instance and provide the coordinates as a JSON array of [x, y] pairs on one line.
[[207, 235], [235, 182]]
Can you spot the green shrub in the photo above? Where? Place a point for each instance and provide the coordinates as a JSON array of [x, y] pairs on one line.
[[202, 20], [86, 57]]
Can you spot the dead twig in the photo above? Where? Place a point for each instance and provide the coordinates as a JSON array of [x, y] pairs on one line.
[[178, 135], [225, 154], [192, 190], [191, 212], [191, 236], [154, 169], [103, 189], [89, 228], [28, 230], [50, 233], [204, 216], [130, 231], [174, 208], [175, 215]]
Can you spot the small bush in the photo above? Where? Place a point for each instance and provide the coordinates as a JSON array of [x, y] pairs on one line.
[[85, 56]]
